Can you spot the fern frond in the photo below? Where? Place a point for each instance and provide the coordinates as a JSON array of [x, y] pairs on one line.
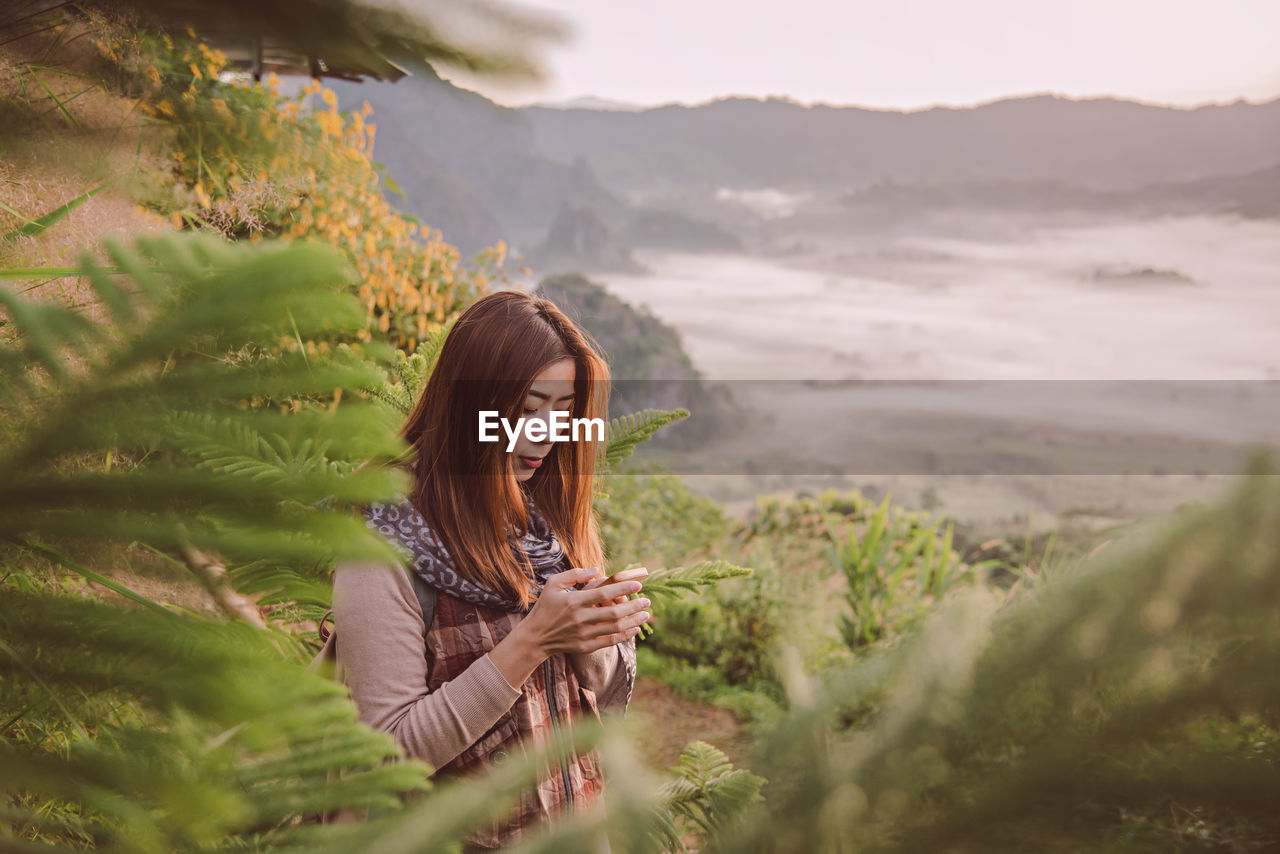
[[674, 583], [408, 373], [166, 379], [402, 393], [429, 349], [306, 587], [628, 431], [232, 445], [708, 790], [701, 763], [248, 738]]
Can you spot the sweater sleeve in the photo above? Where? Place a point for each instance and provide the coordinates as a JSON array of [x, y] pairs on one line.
[[381, 646]]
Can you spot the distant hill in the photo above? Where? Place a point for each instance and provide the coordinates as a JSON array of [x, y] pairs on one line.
[[1252, 194], [497, 184], [473, 169], [579, 240], [1101, 144]]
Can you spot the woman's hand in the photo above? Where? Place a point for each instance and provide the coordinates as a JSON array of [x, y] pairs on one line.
[[565, 619], [637, 574], [568, 620]]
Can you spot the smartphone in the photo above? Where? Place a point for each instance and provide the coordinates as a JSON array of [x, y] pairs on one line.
[[635, 574]]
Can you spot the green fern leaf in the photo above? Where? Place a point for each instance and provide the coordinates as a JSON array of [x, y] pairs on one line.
[[674, 583], [708, 791], [628, 431]]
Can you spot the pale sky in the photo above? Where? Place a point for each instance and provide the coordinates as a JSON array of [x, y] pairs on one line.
[[907, 54]]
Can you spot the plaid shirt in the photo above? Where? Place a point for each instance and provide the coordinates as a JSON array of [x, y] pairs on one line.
[[462, 632]]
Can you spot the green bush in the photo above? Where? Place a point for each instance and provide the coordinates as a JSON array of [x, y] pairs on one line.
[[897, 566], [1124, 704], [650, 517]]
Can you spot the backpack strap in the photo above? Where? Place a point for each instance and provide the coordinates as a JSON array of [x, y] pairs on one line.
[[426, 598], [322, 630]]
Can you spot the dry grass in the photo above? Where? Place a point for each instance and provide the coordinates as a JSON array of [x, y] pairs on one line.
[[67, 127], [35, 189], [67, 130]]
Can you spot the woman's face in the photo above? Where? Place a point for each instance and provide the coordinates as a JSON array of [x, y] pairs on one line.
[[551, 389]]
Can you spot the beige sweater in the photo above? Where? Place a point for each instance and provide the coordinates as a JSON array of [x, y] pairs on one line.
[[381, 647]]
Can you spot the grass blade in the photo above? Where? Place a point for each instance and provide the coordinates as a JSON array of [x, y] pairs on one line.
[[50, 272], [66, 114], [35, 226]]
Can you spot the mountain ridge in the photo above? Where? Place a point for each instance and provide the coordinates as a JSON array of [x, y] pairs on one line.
[[553, 182], [776, 142]]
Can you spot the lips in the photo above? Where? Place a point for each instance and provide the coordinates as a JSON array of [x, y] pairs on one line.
[[531, 462]]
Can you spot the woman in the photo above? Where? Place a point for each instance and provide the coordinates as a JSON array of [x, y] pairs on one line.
[[527, 634]]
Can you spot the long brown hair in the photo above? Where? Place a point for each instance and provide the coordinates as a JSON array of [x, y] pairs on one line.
[[465, 488]]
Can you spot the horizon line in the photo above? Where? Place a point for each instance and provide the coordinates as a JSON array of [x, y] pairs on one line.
[[631, 106]]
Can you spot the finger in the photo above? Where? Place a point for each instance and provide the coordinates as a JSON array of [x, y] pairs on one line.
[[577, 575], [617, 625], [624, 575], [609, 640], [617, 612], [605, 592], [632, 622], [617, 600]]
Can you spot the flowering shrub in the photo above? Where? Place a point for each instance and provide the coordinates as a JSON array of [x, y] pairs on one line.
[[250, 162]]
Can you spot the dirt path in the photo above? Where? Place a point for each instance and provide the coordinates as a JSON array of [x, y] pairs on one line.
[[674, 721]]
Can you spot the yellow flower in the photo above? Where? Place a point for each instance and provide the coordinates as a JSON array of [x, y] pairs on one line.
[[330, 123]]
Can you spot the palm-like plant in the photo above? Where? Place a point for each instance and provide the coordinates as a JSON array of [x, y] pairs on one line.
[[174, 731]]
